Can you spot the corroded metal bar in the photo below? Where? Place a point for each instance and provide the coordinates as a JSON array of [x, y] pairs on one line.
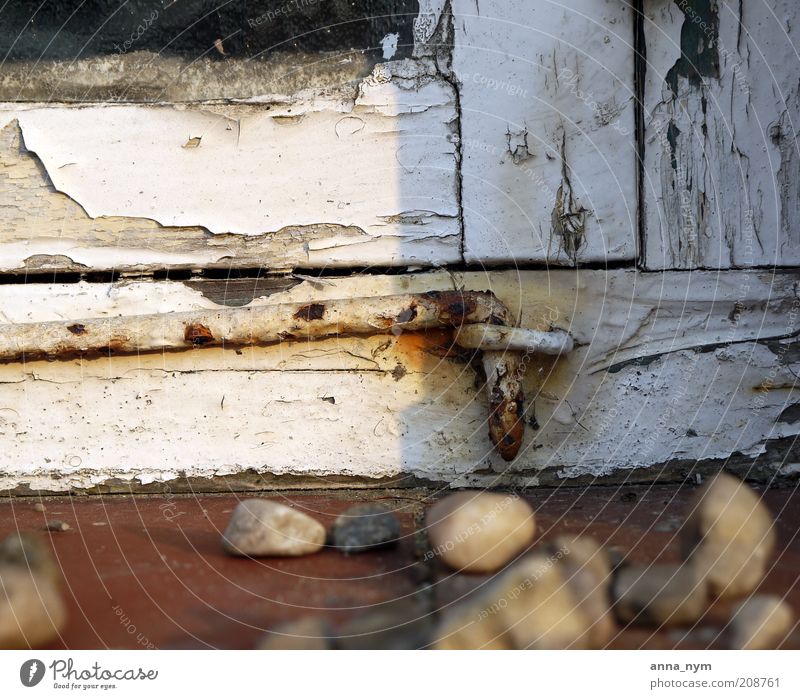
[[498, 337], [504, 374], [248, 326]]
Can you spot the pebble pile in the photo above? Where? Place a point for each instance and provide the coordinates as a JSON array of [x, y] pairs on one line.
[[561, 592]]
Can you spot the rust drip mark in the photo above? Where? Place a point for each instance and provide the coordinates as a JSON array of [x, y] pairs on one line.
[[197, 334], [313, 311], [117, 345], [454, 306], [77, 329], [437, 342], [506, 426]]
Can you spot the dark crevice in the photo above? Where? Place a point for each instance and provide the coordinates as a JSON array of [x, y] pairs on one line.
[[302, 273], [250, 29], [449, 77], [639, 76], [645, 360]]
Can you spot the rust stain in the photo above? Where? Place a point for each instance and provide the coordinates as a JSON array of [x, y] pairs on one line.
[[77, 328], [420, 346], [548, 373], [197, 334], [115, 344], [768, 385], [313, 311], [454, 306], [506, 426]]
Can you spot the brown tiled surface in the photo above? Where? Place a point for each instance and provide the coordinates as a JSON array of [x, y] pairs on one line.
[[149, 570]]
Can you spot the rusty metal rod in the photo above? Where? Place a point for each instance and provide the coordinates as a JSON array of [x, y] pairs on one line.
[[504, 374], [498, 337], [248, 326]]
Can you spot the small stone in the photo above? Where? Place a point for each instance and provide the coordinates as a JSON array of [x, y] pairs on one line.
[[587, 569], [728, 535], [32, 610], [57, 525], [365, 527], [268, 528], [29, 551], [479, 532], [309, 633], [542, 612], [530, 606], [760, 623], [468, 627], [402, 624], [662, 594]]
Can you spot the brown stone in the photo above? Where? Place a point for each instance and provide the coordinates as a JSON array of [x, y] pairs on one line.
[[761, 622], [31, 553], [661, 594], [32, 610], [268, 528], [587, 569], [308, 633], [479, 532], [467, 626], [542, 612], [728, 536], [401, 624], [530, 606]]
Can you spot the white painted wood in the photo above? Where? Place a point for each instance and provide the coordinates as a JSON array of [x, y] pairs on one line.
[[547, 125], [688, 366], [722, 164], [43, 229], [306, 182]]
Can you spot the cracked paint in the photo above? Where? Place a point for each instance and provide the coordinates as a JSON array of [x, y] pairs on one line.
[[720, 167], [282, 168], [527, 96], [590, 420]]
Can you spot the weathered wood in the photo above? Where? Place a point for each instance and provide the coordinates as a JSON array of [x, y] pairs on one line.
[[42, 229], [148, 77], [308, 182], [721, 173], [158, 51], [666, 367], [547, 136]]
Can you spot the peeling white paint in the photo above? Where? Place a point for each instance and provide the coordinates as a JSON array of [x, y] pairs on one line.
[[389, 46], [676, 366], [721, 158], [15, 255], [256, 172], [278, 171], [75, 423], [426, 22], [547, 128]]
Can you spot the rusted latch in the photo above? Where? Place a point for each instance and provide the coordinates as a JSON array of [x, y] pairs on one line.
[[480, 320]]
